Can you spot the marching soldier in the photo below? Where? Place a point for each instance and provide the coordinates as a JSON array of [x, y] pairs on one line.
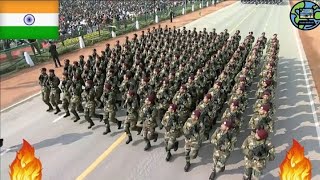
[[191, 129], [233, 113], [264, 85], [183, 100], [148, 115], [173, 127], [143, 90], [163, 97], [205, 107], [257, 149], [98, 81], [130, 123], [89, 97], [262, 119], [75, 91], [223, 144], [45, 89], [65, 86], [55, 91], [110, 108]]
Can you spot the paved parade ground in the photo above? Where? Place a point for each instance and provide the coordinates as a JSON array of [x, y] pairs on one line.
[[70, 151]]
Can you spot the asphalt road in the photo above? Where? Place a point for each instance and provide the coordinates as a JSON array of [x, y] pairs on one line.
[[67, 149]]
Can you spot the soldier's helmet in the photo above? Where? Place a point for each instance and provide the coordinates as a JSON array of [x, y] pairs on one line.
[[242, 79], [208, 96], [151, 98], [145, 79], [262, 133], [65, 74], [268, 82], [218, 84], [76, 77], [228, 123], [43, 69], [173, 107], [131, 93], [191, 77], [266, 107], [242, 87], [51, 70], [266, 92], [76, 63], [128, 74], [89, 82], [235, 103], [107, 87], [196, 113], [67, 61], [183, 87]]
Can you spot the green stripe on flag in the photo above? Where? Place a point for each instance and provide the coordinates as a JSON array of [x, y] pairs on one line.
[[29, 32]]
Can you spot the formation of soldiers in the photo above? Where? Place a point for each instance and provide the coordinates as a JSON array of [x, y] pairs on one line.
[[261, 1], [162, 79]]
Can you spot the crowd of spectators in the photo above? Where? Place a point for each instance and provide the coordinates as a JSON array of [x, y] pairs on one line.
[[84, 15]]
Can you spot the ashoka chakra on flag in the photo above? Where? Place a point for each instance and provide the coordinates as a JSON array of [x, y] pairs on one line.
[[29, 19]]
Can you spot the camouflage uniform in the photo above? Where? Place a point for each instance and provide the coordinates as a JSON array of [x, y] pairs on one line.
[[45, 89], [257, 149], [65, 86], [90, 105], [234, 114], [173, 128], [183, 100], [55, 91], [130, 123], [223, 144], [205, 106], [262, 119], [148, 115], [192, 129], [98, 81], [75, 101], [110, 108], [163, 97]]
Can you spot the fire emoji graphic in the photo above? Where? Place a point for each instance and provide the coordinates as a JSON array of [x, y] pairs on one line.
[[26, 166], [295, 166]]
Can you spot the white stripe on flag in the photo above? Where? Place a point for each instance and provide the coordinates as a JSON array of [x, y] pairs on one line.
[[41, 19]]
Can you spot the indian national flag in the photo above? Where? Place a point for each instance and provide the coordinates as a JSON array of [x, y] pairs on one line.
[[37, 19]]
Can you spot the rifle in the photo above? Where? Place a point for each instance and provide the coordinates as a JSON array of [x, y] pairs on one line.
[[260, 151]]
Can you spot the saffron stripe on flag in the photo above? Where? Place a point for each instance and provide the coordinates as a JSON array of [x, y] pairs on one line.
[[32, 6], [29, 32]]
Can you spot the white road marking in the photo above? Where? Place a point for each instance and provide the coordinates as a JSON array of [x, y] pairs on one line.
[[20, 102], [265, 27], [311, 101], [7, 150], [58, 119]]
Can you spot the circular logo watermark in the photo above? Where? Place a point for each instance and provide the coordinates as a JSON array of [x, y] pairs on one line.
[[29, 19], [305, 15]]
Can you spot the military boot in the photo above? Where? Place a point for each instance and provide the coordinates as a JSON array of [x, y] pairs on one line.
[[212, 175], [148, 145], [175, 146], [156, 135], [187, 167], [76, 115], [50, 108], [119, 124], [129, 139], [67, 114], [223, 168], [168, 156], [107, 131], [57, 110], [91, 125], [139, 130]]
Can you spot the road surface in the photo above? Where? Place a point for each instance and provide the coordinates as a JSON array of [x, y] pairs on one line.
[[69, 150]]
